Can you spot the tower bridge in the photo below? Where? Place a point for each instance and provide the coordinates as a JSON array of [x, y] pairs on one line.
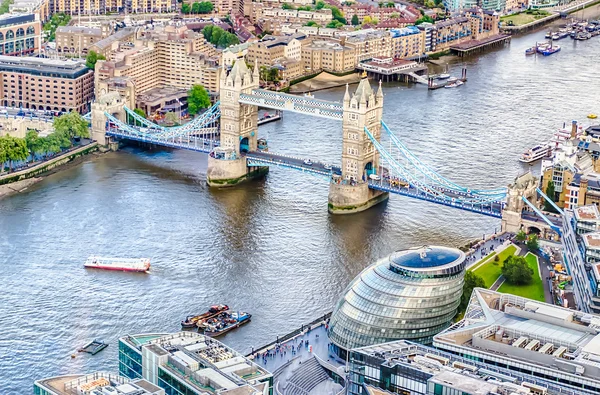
[[367, 173]]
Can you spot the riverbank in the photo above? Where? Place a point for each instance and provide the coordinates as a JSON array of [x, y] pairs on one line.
[[324, 81], [21, 180]]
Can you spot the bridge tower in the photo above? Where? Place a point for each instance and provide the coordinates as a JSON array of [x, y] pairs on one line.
[[111, 103], [226, 165], [524, 185], [351, 193]]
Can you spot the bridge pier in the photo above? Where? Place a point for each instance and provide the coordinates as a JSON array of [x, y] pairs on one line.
[[350, 199], [227, 173]]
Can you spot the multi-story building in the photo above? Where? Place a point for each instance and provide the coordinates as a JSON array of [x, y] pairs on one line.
[[271, 48], [557, 348], [228, 7], [322, 55], [581, 252], [367, 43], [232, 53], [91, 7], [112, 43], [192, 364], [77, 40], [45, 84], [322, 17], [408, 42], [19, 34], [452, 31], [94, 383]]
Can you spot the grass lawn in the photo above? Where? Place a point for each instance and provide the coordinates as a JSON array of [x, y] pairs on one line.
[[535, 290], [521, 19], [490, 270]]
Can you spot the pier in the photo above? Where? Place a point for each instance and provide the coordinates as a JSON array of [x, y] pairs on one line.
[[475, 46], [432, 85], [388, 69]]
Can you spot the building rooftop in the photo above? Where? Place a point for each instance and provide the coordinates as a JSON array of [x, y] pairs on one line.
[[202, 362], [107, 382], [43, 66], [589, 212], [15, 18], [518, 329], [591, 240], [79, 30]]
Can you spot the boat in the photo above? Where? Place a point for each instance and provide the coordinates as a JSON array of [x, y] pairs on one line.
[[530, 51], [536, 153], [548, 35], [454, 84], [123, 264], [443, 76], [192, 320], [555, 36], [93, 347], [562, 35], [452, 79], [592, 116], [547, 51], [224, 322]]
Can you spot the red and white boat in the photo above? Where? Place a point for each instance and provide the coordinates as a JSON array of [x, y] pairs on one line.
[[122, 264]]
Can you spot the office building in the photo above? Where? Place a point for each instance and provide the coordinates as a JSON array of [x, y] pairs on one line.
[[99, 383], [188, 363], [45, 84], [403, 367], [581, 252], [411, 294], [555, 344], [19, 34]]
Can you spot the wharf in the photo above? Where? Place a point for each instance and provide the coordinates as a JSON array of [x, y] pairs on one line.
[[432, 85], [475, 46], [389, 69]]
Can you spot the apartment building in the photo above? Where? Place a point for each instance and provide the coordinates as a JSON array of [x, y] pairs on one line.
[[45, 84], [77, 40], [94, 7], [407, 42], [19, 34], [112, 43], [322, 17], [367, 43], [228, 7], [322, 55], [271, 48]]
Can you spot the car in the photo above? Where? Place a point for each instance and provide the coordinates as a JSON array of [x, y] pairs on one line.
[[374, 177], [308, 162], [327, 167]]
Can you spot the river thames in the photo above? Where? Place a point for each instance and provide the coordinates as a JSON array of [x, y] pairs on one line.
[[268, 247]]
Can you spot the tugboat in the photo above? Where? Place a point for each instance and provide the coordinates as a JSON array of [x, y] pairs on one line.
[[192, 320], [224, 322]]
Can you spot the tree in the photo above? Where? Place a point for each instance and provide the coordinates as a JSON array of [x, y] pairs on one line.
[[71, 125], [337, 14], [215, 34], [287, 6], [394, 15], [355, 21], [472, 280], [550, 192], [140, 112], [207, 32], [334, 24], [532, 243], [185, 8], [171, 118], [197, 99], [367, 20], [319, 4], [516, 270], [15, 150], [305, 8], [92, 58], [311, 24], [60, 19], [205, 7], [424, 18], [390, 4], [521, 236]]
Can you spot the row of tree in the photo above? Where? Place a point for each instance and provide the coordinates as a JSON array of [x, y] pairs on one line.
[[92, 58], [59, 19], [33, 147], [219, 37], [205, 7]]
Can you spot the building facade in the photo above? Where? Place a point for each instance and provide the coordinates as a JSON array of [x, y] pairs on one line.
[[94, 7], [45, 84], [77, 40], [411, 294], [19, 34], [189, 363], [323, 55]]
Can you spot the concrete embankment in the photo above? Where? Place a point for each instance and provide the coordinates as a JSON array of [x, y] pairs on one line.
[[21, 180], [324, 81]]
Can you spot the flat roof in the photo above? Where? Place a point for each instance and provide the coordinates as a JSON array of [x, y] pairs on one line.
[[471, 385], [591, 240], [43, 66], [589, 212]]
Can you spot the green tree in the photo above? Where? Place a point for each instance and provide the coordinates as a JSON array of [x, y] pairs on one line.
[[185, 8], [516, 270], [472, 280], [205, 7], [355, 21], [311, 23], [521, 236], [59, 19], [394, 15], [171, 118], [140, 112], [424, 18], [207, 32], [197, 99], [319, 4], [334, 24], [287, 6], [337, 14], [532, 243], [304, 8], [71, 125], [15, 150], [215, 34], [92, 58], [390, 4], [550, 192]]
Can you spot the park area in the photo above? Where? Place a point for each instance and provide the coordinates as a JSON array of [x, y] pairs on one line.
[[490, 269], [523, 18], [534, 290]]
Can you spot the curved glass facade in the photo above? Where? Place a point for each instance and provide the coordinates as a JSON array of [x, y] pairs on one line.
[[411, 294]]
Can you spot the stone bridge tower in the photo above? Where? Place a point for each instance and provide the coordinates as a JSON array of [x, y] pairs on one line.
[[239, 128], [524, 186], [111, 103], [351, 193]]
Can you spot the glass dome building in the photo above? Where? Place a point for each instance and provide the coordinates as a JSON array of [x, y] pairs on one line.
[[411, 294]]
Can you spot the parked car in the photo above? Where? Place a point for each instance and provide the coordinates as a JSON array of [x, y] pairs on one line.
[[308, 162], [374, 177]]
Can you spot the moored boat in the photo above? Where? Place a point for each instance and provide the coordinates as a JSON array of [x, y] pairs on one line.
[[93, 347], [192, 320], [536, 153], [122, 264], [547, 51], [454, 84], [443, 76], [548, 35], [224, 322], [530, 51]]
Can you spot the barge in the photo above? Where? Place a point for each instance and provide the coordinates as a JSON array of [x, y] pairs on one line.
[[122, 264], [191, 321]]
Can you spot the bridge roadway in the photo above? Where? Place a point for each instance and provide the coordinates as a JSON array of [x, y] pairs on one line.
[[261, 158]]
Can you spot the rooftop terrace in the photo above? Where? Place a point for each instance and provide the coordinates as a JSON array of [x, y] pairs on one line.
[[79, 384]]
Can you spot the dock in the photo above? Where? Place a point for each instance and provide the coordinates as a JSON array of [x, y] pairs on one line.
[[475, 46], [432, 85], [388, 69]]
